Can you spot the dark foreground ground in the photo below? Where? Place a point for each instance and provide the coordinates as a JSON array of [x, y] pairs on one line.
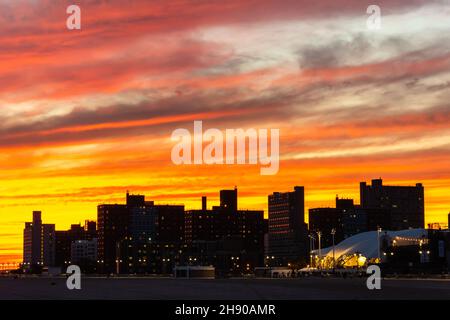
[[226, 289]]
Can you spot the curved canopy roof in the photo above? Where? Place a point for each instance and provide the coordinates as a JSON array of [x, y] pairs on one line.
[[366, 243]]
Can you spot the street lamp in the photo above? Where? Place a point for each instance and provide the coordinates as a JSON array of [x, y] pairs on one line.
[[311, 248], [333, 232], [420, 251], [319, 235], [379, 246]]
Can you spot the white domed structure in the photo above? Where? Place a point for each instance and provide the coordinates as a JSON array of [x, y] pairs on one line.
[[364, 246]]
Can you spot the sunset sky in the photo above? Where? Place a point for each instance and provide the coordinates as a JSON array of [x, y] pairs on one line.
[[88, 114]]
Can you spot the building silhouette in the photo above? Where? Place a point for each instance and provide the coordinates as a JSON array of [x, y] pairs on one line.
[[84, 254], [346, 219], [404, 205], [141, 237], [65, 238], [112, 221], [287, 238], [324, 220], [230, 239], [39, 243], [385, 207], [228, 199], [154, 241], [359, 220], [32, 240]]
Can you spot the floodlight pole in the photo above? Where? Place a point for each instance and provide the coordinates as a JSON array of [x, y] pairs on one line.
[[319, 235], [311, 248], [379, 247], [333, 232]]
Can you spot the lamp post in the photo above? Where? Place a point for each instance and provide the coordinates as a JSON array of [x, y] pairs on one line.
[[421, 251], [311, 248], [333, 232], [270, 260], [319, 235], [379, 247]]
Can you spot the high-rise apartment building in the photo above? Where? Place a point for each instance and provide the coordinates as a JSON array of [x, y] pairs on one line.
[[404, 204], [112, 221], [230, 239], [287, 228], [38, 243]]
